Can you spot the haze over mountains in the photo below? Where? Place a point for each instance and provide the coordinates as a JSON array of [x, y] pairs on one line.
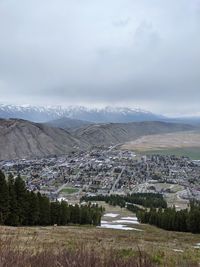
[[84, 116], [100, 115]]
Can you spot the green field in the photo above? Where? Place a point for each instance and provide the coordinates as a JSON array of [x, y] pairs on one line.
[[69, 190], [191, 152]]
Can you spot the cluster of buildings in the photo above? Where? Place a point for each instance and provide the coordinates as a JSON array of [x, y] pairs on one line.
[[106, 171]]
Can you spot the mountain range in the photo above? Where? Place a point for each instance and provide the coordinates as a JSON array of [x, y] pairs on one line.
[[28, 131], [95, 115]]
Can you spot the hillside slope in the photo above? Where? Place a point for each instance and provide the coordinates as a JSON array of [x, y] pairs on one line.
[[24, 139], [114, 133], [68, 123]]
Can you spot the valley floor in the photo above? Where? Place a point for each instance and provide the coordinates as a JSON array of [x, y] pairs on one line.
[[178, 143]]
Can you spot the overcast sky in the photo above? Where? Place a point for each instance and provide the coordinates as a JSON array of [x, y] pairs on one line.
[[143, 53]]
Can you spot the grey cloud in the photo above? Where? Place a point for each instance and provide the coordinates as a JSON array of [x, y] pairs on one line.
[[128, 52], [121, 22]]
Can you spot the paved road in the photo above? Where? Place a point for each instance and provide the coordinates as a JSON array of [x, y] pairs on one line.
[[116, 181], [64, 185], [115, 146]]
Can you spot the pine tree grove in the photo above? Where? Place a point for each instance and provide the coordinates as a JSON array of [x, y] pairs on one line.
[[19, 206], [187, 220]]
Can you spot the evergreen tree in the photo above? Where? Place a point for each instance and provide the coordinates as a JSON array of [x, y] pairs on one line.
[[55, 213], [33, 209], [13, 218], [194, 221], [75, 214], [18, 206], [64, 213], [44, 210], [4, 199], [85, 216], [21, 197]]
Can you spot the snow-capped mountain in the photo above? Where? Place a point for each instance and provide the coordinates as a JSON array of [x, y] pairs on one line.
[[98, 115]]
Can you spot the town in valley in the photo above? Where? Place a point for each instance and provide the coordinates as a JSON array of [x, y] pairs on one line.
[[109, 171]]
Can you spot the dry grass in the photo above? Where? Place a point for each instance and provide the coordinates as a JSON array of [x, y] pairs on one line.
[[13, 256], [54, 246], [162, 141], [179, 144], [156, 245]]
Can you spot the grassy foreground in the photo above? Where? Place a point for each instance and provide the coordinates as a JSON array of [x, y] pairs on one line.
[[89, 246]]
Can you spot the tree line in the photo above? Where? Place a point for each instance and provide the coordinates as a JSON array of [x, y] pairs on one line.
[[187, 220], [19, 206], [143, 199]]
